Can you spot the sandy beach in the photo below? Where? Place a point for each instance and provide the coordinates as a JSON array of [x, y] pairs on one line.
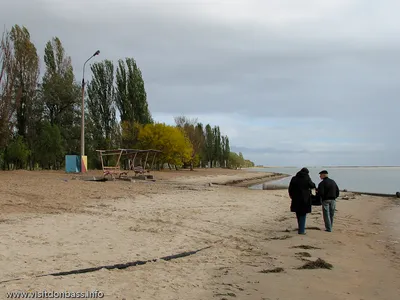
[[51, 222]]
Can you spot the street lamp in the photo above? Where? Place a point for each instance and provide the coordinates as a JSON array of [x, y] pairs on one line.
[[83, 107]]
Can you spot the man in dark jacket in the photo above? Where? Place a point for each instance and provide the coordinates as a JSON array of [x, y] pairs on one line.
[[328, 191], [300, 192]]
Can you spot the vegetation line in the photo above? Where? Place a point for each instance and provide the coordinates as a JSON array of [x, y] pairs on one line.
[[40, 116]]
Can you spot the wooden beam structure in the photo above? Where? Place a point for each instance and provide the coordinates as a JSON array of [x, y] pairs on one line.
[[131, 155]]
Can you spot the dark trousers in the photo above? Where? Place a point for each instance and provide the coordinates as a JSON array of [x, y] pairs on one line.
[[301, 221], [328, 211]]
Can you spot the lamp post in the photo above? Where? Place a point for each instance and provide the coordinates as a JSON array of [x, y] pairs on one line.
[[83, 106]]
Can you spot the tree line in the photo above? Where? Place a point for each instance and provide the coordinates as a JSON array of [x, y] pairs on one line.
[[40, 117]]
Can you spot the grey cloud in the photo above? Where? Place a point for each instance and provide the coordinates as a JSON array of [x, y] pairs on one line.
[[343, 66], [300, 160], [267, 150], [294, 150]]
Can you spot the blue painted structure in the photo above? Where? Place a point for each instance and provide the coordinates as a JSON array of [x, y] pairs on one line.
[[72, 163]]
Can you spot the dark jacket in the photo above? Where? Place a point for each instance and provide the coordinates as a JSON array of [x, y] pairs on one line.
[[328, 189], [300, 192]]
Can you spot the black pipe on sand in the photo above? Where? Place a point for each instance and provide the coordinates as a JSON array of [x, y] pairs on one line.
[[397, 195], [116, 266]]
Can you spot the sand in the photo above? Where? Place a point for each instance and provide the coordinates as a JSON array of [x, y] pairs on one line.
[[51, 223]]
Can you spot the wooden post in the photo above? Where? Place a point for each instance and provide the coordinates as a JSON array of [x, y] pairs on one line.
[[133, 162], [119, 157], [145, 162], [101, 158], [154, 158]]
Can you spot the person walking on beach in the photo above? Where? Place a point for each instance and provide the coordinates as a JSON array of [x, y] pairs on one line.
[[328, 190], [300, 192]]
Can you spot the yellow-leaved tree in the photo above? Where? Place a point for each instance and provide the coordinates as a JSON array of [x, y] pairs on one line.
[[175, 146]]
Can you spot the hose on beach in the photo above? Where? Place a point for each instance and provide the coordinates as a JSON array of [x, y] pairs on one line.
[[115, 266]]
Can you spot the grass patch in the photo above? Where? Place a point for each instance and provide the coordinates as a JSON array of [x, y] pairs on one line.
[[275, 270], [303, 254], [318, 264], [305, 247]]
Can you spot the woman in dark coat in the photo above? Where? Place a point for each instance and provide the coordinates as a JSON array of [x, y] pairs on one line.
[[300, 192]]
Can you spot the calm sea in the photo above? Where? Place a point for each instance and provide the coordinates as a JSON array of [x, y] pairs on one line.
[[385, 180]]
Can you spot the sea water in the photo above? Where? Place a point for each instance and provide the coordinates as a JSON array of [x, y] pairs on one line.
[[384, 180], [381, 180]]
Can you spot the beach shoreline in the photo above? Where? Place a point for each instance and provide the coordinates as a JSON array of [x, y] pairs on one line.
[[52, 223]]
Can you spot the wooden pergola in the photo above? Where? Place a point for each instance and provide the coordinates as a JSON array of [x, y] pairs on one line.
[[131, 155]]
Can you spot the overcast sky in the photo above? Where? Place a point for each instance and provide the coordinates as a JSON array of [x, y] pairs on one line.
[[291, 82]]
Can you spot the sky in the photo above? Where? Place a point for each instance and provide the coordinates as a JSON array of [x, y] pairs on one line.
[[291, 82]]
